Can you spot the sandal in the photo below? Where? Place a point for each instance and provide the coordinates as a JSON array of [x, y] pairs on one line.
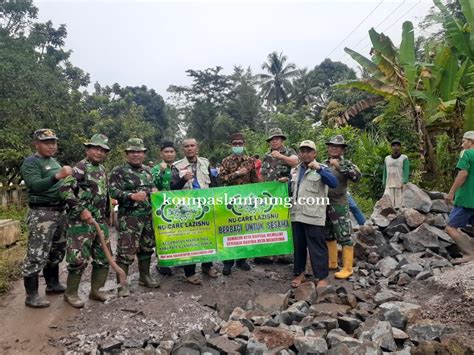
[[211, 272], [297, 281], [194, 279]]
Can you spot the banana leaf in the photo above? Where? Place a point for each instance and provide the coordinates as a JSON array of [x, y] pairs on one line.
[[407, 53], [469, 115]]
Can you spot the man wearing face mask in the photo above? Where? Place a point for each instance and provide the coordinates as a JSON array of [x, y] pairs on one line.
[[237, 169], [87, 198], [131, 184]]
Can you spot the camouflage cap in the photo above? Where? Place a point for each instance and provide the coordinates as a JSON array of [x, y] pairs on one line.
[[275, 132], [135, 145], [98, 140], [308, 143], [337, 140], [44, 134]]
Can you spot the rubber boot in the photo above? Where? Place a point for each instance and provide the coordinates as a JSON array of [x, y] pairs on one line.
[[70, 295], [465, 245], [98, 278], [347, 261], [332, 252], [33, 300], [123, 291], [145, 278], [51, 276]]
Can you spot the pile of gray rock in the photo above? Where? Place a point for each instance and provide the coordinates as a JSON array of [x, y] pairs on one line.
[[406, 244], [324, 320]]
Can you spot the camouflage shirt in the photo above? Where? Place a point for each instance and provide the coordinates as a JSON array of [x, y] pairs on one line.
[[273, 169], [347, 171], [125, 180], [231, 164], [86, 189]]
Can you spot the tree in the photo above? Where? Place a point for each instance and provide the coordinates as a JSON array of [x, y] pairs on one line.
[[276, 85]]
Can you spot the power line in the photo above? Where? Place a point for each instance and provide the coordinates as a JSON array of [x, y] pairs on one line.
[[381, 22], [395, 22], [360, 23]]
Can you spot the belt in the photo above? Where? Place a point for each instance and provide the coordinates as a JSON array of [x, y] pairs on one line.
[[48, 208]]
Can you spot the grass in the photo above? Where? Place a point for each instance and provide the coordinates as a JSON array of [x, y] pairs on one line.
[[12, 257]]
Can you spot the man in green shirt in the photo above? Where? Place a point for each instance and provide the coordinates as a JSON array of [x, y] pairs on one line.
[[46, 218], [462, 192], [162, 180]]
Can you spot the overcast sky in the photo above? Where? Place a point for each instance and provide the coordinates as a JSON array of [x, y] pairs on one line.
[[153, 42]]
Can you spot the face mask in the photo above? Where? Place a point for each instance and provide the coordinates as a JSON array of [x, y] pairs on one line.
[[237, 150]]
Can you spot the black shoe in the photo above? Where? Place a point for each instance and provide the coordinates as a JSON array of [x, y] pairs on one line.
[[51, 276], [166, 271], [243, 265], [227, 270], [33, 300]]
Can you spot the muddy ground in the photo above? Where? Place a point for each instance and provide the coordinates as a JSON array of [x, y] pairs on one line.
[[177, 307]]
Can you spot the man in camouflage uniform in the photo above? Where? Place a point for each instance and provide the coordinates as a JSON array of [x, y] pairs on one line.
[[193, 172], [338, 221], [46, 218], [277, 163], [131, 184], [276, 166], [86, 196], [162, 180], [237, 169]]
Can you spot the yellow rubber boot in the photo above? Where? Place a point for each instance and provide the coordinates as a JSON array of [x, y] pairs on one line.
[[347, 261], [332, 251]]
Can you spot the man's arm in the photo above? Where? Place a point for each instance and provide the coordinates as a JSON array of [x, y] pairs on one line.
[[177, 183], [31, 173], [328, 177], [458, 182], [384, 176], [116, 189], [406, 170], [68, 191]]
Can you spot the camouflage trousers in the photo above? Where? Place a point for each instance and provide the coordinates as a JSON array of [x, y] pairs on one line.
[[136, 237], [338, 224], [46, 241], [84, 243]]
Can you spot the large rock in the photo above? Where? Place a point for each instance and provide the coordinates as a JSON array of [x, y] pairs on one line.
[[306, 292], [440, 206], [348, 324], [325, 322], [383, 212], [425, 236], [413, 217], [416, 198], [412, 269], [271, 302], [337, 336], [225, 345], [311, 345], [233, 329], [254, 347], [386, 295], [410, 310], [395, 318], [329, 309], [192, 340], [295, 313], [273, 337], [379, 332], [387, 265], [425, 332]]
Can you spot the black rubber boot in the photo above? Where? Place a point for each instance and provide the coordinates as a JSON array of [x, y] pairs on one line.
[[51, 276], [33, 300], [98, 279], [145, 278]]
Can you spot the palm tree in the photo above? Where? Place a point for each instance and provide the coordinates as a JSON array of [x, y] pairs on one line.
[[276, 86]]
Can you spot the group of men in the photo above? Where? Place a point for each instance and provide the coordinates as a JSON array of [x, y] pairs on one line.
[[65, 202]]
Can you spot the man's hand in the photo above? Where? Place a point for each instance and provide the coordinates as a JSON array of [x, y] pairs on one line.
[[449, 198], [154, 189], [242, 171], [163, 166], [66, 170], [283, 179], [335, 163], [314, 165], [188, 176], [276, 154], [86, 216], [139, 196]]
